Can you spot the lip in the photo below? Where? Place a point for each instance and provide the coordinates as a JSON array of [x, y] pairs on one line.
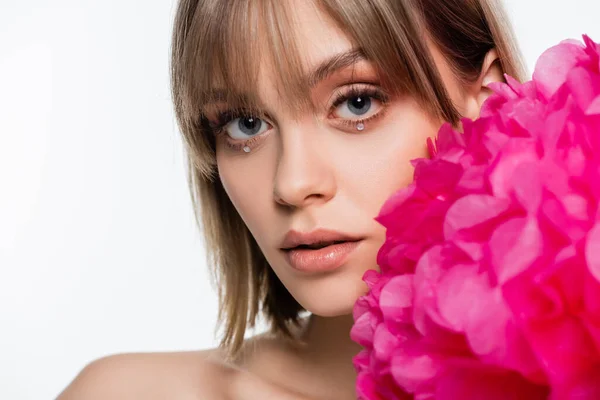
[[318, 260], [294, 238]]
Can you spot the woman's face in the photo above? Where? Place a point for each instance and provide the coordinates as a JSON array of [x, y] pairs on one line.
[[322, 177]]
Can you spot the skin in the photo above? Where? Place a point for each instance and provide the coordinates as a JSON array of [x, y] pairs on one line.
[[304, 173]]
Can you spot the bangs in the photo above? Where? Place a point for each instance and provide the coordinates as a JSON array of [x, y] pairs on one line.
[[229, 42], [226, 43]]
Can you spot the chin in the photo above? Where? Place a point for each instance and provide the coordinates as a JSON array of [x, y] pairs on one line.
[[331, 296]]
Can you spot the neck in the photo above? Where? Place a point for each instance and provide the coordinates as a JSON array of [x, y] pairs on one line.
[[329, 350], [330, 336]]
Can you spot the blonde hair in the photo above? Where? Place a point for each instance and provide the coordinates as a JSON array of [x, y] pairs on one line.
[[216, 48]]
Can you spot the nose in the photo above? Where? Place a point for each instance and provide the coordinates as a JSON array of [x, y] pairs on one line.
[[304, 174]]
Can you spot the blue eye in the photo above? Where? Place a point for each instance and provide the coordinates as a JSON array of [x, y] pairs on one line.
[[358, 104], [246, 127]]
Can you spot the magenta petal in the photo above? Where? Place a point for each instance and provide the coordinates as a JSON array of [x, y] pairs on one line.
[[592, 324], [592, 251], [361, 306], [396, 297], [431, 148], [438, 177], [488, 337], [373, 387], [363, 329], [472, 210], [361, 361], [586, 386], [554, 64], [584, 85], [366, 387], [515, 153], [394, 202], [591, 298], [513, 83], [456, 291], [448, 139], [371, 277], [487, 384], [594, 107], [514, 247], [563, 348], [528, 185], [427, 274], [384, 343], [414, 371]]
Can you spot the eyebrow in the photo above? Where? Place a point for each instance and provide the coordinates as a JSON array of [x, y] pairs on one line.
[[325, 69], [334, 64]]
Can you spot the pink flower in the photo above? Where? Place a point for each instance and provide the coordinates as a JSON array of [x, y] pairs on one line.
[[489, 282]]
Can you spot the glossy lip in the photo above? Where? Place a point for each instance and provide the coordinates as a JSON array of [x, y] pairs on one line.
[[294, 238], [322, 259]]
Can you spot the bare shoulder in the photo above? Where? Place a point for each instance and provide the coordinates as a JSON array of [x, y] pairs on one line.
[[181, 375], [260, 373]]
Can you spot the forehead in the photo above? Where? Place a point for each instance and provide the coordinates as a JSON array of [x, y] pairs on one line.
[[268, 51], [316, 42], [316, 35]]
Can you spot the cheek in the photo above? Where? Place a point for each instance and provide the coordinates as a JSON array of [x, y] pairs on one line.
[[247, 184], [381, 164]]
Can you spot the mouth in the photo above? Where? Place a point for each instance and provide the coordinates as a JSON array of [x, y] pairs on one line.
[[318, 251], [316, 246], [316, 239]]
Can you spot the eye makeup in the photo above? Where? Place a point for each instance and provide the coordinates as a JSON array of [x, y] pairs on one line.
[[355, 91], [218, 128], [224, 121]]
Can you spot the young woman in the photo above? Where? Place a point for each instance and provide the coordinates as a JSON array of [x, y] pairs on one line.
[[300, 118]]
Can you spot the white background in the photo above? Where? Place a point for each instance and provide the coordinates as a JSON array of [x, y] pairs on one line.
[[99, 253]]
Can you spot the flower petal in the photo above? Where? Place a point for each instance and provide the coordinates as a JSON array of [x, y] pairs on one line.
[[592, 251]]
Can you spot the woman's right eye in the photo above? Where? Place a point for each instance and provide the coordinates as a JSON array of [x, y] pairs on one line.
[[247, 127]]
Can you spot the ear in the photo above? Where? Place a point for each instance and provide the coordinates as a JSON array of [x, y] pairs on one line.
[[491, 71]]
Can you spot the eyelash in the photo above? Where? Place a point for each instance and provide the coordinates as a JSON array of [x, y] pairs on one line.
[[217, 129], [355, 90]]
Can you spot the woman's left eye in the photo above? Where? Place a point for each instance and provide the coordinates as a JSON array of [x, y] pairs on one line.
[[357, 107]]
